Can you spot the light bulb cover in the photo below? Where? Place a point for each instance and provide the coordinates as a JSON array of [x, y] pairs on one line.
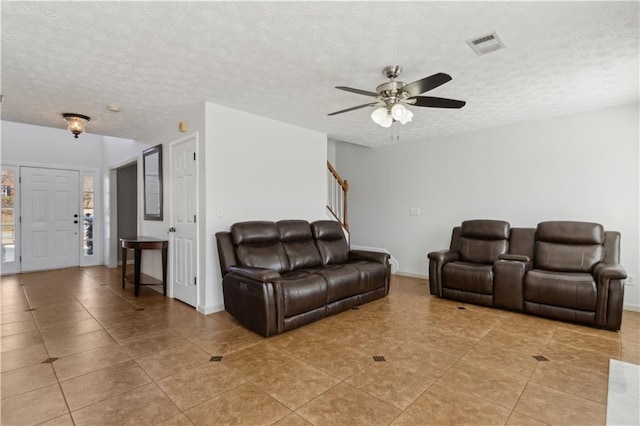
[[408, 115], [379, 114], [387, 121], [398, 111], [75, 122]]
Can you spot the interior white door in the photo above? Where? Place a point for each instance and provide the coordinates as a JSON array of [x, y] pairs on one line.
[[50, 212], [184, 240]]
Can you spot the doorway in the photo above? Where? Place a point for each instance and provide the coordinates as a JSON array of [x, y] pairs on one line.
[[183, 178], [50, 219], [127, 203]]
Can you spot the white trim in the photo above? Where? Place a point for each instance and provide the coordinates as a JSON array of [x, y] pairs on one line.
[[631, 307], [413, 275], [206, 310]]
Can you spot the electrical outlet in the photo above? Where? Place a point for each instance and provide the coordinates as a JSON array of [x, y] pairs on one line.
[[414, 211], [631, 279]]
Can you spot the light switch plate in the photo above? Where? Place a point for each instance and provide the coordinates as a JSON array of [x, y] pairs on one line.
[[414, 211]]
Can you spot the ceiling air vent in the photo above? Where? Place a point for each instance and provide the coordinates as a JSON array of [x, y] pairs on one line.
[[485, 44]]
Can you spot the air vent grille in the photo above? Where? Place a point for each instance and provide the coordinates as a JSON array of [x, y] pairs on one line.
[[486, 44]]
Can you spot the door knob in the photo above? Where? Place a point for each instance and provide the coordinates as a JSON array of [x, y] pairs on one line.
[[172, 229]]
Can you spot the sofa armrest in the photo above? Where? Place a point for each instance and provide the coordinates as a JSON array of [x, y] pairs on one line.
[[610, 271], [444, 256], [255, 274], [610, 288], [516, 257], [372, 256], [437, 260]]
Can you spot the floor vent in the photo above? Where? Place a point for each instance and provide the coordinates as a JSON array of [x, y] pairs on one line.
[[30, 309], [540, 358], [139, 309], [354, 308], [48, 360], [215, 358], [378, 358], [486, 44], [461, 307]]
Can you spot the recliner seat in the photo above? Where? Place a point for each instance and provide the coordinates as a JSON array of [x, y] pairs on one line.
[[562, 269]]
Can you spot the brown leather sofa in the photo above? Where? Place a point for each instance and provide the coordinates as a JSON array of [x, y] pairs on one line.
[[278, 276], [562, 269]]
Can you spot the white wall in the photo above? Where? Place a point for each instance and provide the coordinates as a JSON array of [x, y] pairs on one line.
[[580, 167], [46, 146], [38, 146], [258, 169], [165, 135]]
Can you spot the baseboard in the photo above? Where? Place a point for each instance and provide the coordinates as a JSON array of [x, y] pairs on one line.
[[413, 275], [206, 310], [630, 307]]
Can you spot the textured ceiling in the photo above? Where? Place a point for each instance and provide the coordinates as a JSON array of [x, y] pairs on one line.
[[282, 60]]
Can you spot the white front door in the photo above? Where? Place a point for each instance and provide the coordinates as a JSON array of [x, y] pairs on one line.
[[50, 212], [184, 241]]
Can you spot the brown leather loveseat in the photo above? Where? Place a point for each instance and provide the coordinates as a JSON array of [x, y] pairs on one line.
[[278, 276], [562, 269]]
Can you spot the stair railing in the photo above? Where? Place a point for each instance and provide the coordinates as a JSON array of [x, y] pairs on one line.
[[337, 196]]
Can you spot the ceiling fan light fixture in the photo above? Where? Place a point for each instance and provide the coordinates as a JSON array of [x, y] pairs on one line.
[[75, 122], [382, 117], [408, 115]]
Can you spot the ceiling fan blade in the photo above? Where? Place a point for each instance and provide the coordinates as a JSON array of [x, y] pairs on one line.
[[426, 84], [354, 108], [430, 101], [358, 91]]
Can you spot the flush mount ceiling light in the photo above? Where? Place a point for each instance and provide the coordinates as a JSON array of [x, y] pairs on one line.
[[393, 95], [75, 122]]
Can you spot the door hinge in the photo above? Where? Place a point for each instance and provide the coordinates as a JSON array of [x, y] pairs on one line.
[[20, 219], [194, 156], [20, 259], [19, 179], [194, 218], [195, 281]]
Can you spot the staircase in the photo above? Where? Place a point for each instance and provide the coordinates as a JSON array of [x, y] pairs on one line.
[[337, 189]]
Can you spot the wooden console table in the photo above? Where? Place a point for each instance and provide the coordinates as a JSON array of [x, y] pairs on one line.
[[139, 243]]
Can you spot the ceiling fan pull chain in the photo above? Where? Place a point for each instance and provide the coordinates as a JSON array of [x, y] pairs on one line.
[[395, 131]]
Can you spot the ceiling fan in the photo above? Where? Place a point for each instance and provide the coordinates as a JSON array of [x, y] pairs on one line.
[[392, 95]]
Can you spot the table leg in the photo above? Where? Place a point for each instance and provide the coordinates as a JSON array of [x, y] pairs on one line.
[[124, 266], [136, 279], [164, 270]]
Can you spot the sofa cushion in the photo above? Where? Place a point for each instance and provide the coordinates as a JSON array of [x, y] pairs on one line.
[[371, 274], [269, 256], [568, 232], [342, 281], [258, 245], [567, 290], [468, 277], [302, 292], [254, 232], [330, 241], [567, 257], [298, 243], [485, 229], [482, 251], [483, 241]]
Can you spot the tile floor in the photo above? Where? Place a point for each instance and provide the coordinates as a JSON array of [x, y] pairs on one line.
[[77, 349]]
